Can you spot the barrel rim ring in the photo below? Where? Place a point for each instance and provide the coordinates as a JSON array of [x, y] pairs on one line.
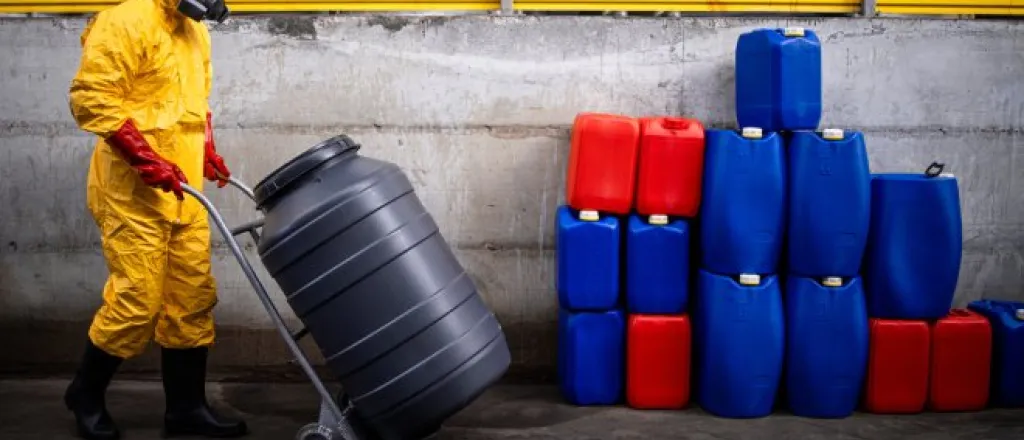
[[302, 164]]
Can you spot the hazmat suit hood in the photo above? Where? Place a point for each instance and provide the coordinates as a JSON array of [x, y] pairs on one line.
[[197, 10]]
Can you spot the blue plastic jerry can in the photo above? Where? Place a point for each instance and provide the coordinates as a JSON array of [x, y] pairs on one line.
[[826, 345], [778, 79], [1007, 319], [739, 342], [587, 248], [591, 356], [657, 265], [915, 246], [829, 203], [744, 202]]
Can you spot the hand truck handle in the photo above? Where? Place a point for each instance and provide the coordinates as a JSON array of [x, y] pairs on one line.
[[242, 187]]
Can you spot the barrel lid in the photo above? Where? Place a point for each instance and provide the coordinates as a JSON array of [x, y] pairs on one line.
[[300, 165]]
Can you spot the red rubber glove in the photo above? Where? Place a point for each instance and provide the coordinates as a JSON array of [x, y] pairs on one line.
[[214, 169], [154, 170]]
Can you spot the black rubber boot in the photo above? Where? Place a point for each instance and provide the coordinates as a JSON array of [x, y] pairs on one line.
[[86, 396], [188, 413]]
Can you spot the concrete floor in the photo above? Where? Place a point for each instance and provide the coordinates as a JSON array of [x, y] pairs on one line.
[[32, 410]]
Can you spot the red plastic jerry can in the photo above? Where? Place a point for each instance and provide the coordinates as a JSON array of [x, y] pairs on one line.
[[898, 359], [658, 361], [602, 163], [671, 167], [961, 362]]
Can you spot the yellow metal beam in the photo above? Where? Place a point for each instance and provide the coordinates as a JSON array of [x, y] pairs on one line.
[[907, 7], [951, 7], [837, 7], [697, 3], [952, 3], [949, 10], [822, 6], [369, 6], [87, 6]]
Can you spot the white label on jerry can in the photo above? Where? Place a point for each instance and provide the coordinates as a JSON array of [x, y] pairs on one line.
[[794, 32], [947, 175], [750, 279], [752, 133], [1020, 314], [832, 134], [589, 216], [658, 219], [832, 282]]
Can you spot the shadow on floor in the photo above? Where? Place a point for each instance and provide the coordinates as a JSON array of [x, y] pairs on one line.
[[32, 410]]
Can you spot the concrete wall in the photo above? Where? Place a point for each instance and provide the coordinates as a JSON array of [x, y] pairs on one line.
[[477, 110]]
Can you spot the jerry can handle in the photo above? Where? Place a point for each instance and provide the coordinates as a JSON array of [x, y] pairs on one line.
[[676, 123], [959, 313], [934, 169]]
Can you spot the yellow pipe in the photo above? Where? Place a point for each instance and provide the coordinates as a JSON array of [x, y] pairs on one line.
[[950, 10]]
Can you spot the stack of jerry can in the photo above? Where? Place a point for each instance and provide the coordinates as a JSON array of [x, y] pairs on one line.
[[739, 321], [600, 186], [826, 313], [921, 354], [658, 265], [870, 264]]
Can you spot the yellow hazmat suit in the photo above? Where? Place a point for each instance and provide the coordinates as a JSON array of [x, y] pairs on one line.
[[144, 61]]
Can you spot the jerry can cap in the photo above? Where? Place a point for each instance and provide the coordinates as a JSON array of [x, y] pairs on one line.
[[832, 134], [752, 133], [794, 31], [750, 279], [658, 219], [832, 282], [589, 215], [1020, 314]]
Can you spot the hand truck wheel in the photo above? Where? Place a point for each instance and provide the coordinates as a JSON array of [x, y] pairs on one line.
[[314, 431]]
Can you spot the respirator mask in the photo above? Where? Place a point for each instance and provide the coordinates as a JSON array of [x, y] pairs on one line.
[[204, 9]]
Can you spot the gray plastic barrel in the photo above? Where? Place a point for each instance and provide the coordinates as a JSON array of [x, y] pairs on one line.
[[365, 268]]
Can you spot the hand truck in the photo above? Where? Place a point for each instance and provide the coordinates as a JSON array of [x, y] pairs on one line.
[[336, 421]]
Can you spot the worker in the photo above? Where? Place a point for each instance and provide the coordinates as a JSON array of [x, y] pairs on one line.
[[142, 88]]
